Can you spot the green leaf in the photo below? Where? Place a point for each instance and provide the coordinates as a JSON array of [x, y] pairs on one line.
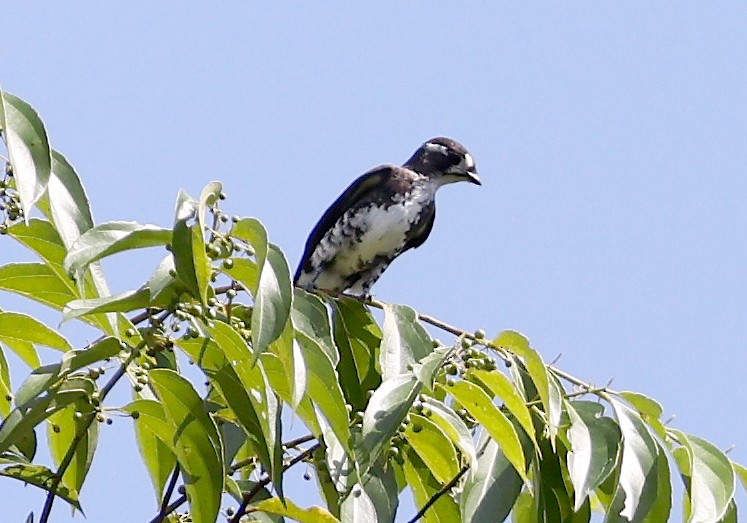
[[5, 386], [480, 406], [639, 462], [210, 358], [427, 368], [454, 428], [197, 444], [272, 300], [15, 326], [24, 350], [741, 472], [433, 446], [424, 486], [537, 370], [28, 147], [41, 477], [68, 202], [209, 196], [252, 232], [110, 238], [188, 246], [20, 423], [123, 302], [712, 481], [550, 487], [41, 237], [358, 337], [386, 409], [405, 341], [244, 271], [43, 378], [373, 499], [311, 321], [649, 409], [155, 438], [324, 389], [490, 492], [38, 282], [289, 509], [253, 378], [62, 432], [502, 387], [595, 443]]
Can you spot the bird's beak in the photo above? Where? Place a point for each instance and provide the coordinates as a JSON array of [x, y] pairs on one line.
[[473, 178]]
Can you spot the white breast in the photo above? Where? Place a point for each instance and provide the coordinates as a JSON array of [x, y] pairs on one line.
[[384, 233]]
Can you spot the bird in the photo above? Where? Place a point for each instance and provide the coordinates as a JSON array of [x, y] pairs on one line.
[[383, 213]]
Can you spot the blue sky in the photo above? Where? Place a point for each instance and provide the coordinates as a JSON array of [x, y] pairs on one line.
[[610, 139]]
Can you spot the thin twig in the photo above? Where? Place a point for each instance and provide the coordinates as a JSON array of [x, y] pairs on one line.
[[181, 500], [446, 488], [169, 490], [68, 458], [289, 445], [266, 481]]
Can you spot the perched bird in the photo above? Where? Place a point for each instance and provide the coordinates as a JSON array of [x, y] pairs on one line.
[[383, 213]]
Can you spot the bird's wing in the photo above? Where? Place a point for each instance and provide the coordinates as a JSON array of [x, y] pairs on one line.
[[417, 236], [349, 198]]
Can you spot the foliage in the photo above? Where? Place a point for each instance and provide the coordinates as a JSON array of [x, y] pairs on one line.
[[478, 429]]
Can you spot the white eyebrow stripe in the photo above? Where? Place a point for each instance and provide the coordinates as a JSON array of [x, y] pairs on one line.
[[435, 147]]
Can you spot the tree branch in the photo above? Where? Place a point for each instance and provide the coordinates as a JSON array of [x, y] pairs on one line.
[[266, 481], [446, 488], [68, 458], [169, 491]]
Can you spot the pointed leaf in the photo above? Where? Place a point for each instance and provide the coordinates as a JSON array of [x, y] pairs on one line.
[[424, 487], [41, 477], [454, 428], [595, 442], [190, 258], [405, 341], [252, 232], [37, 282], [373, 499], [490, 492], [28, 147], [358, 337], [21, 421], [537, 370], [712, 480], [123, 302], [324, 389], [386, 409], [155, 437], [433, 446], [639, 456], [311, 320], [272, 301], [197, 443], [291, 510], [41, 237], [649, 409], [72, 426], [68, 202], [16, 326], [5, 386], [210, 358], [502, 387], [480, 406], [110, 238]]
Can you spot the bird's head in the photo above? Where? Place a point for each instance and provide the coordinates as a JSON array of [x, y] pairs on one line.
[[445, 160]]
